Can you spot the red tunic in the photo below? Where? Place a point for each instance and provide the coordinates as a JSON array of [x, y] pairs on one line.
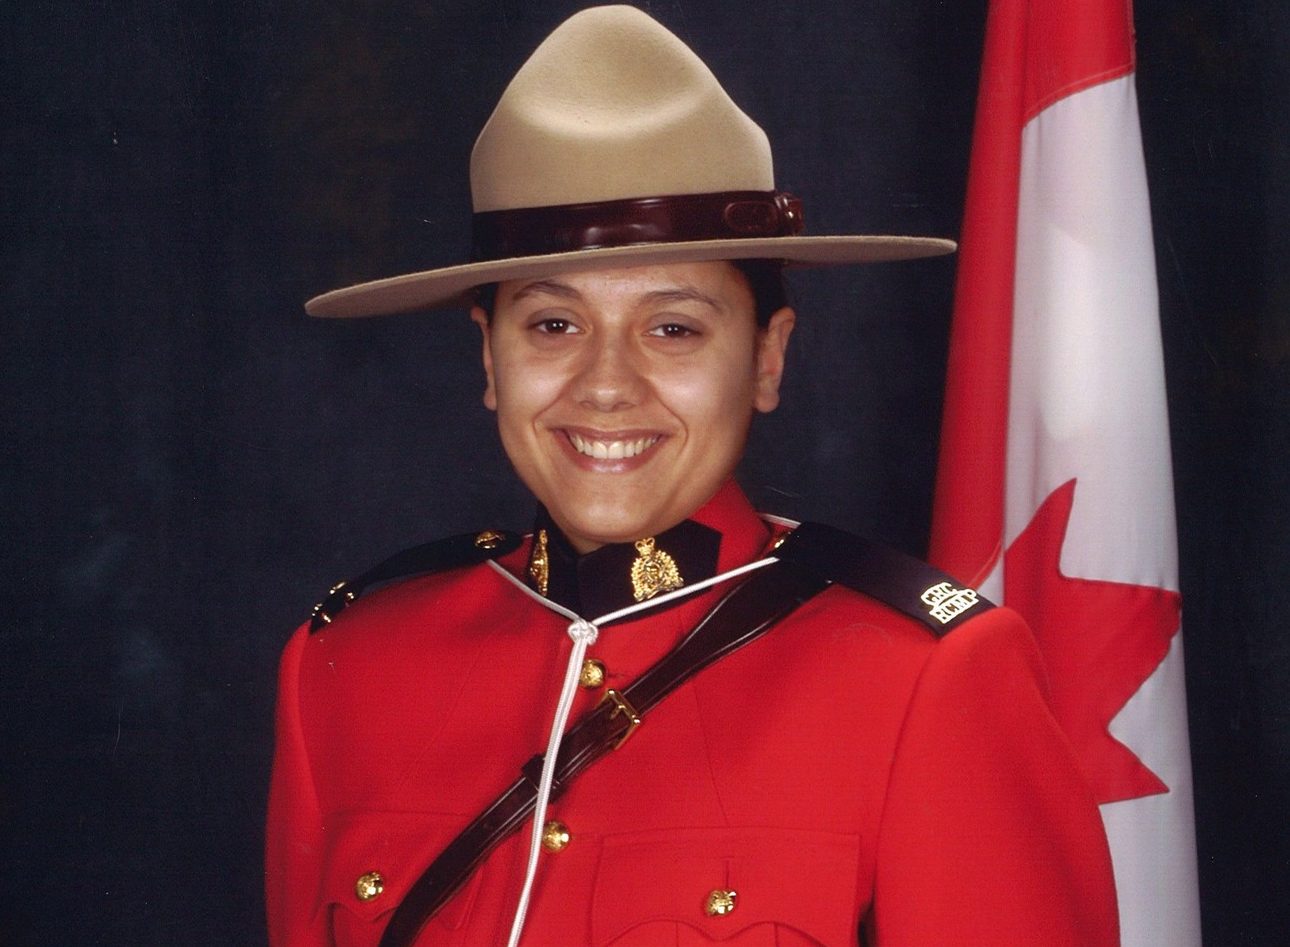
[[847, 775]]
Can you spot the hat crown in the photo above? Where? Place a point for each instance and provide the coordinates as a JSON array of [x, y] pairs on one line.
[[613, 106]]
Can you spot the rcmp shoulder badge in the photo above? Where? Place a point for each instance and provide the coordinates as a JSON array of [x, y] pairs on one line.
[[945, 602]]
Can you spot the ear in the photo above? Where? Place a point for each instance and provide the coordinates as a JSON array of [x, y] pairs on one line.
[[772, 344], [480, 318]]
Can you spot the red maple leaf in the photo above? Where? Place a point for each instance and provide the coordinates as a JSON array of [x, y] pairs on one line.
[[1100, 640]]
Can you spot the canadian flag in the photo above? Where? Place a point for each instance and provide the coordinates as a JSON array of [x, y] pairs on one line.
[[1055, 493]]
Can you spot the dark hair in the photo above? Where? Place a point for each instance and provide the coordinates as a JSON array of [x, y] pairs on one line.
[[769, 288], [765, 280]]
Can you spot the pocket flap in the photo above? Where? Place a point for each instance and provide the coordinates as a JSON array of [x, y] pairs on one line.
[[397, 847], [797, 879]]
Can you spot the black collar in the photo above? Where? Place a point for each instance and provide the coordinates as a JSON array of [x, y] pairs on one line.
[[601, 581]]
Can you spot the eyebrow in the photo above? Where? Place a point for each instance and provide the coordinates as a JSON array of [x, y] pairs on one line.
[[682, 295], [565, 291], [548, 287]]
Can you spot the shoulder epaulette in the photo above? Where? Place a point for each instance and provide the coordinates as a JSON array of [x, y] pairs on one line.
[[908, 585], [454, 552]]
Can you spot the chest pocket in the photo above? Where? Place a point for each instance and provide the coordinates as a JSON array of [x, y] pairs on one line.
[[791, 889], [367, 851]]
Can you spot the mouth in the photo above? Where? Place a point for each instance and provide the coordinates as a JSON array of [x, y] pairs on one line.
[[612, 448]]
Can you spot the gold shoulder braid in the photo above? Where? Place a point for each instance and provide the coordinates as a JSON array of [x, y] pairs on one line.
[[539, 563], [653, 571]]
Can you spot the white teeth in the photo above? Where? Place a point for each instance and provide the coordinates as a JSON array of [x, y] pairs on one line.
[[611, 450]]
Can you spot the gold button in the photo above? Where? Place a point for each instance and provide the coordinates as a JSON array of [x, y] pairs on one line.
[[488, 539], [592, 674], [719, 902], [555, 836], [369, 886]]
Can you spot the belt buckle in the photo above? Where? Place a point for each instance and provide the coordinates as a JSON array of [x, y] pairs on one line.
[[622, 706]]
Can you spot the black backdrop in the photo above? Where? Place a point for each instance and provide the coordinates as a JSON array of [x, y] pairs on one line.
[[189, 461]]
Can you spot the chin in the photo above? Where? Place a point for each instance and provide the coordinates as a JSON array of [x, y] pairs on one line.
[[603, 528]]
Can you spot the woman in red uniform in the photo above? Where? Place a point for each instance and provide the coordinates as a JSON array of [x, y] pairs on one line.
[[879, 767]]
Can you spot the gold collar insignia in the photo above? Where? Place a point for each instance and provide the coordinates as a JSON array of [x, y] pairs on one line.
[[540, 563], [653, 571]]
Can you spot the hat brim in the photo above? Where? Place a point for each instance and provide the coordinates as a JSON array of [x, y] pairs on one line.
[[450, 286]]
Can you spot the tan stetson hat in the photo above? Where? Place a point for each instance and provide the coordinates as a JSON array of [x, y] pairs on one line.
[[614, 145]]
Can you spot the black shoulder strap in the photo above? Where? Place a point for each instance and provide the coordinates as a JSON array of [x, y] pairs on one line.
[[468, 549], [908, 585]]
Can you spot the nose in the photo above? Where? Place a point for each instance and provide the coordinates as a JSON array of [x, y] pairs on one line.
[[611, 377]]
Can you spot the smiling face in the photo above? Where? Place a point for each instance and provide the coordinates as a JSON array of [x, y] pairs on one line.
[[623, 397]]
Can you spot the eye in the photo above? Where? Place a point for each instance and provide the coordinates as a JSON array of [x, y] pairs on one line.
[[673, 330], [553, 325]]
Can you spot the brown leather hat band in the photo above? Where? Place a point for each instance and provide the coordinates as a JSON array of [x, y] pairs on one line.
[[682, 218]]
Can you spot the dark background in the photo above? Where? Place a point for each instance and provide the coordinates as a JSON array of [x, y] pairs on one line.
[[189, 461]]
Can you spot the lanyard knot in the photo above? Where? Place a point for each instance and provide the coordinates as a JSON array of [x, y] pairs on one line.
[[583, 630]]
